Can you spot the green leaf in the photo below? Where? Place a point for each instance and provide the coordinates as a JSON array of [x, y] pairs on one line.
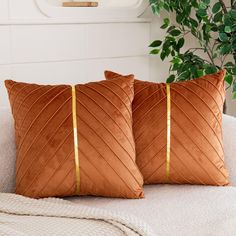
[[211, 69], [194, 23], [221, 28], [166, 6], [200, 73], [170, 79], [234, 87], [163, 55], [207, 28], [228, 29], [215, 55], [155, 44], [166, 44], [194, 3], [179, 18], [170, 28], [229, 64], [166, 23], [225, 49], [233, 14], [234, 27], [234, 95], [155, 9], [218, 17], [207, 2], [180, 43], [216, 7], [155, 51], [229, 79], [202, 5], [164, 26], [227, 20], [168, 51], [214, 27], [175, 32], [184, 75], [175, 67], [202, 12], [233, 3], [193, 70], [177, 60], [223, 37]]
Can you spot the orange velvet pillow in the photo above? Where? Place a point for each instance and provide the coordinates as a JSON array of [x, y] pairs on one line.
[[177, 130], [75, 140]]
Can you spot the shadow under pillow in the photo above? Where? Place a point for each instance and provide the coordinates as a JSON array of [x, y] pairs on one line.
[[75, 140], [178, 130]]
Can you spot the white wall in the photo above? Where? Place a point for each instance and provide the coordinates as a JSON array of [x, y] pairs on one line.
[[231, 104], [36, 48]]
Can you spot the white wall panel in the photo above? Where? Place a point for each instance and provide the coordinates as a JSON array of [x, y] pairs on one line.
[[38, 43], [122, 39], [3, 9], [5, 73], [79, 71], [50, 73], [139, 66], [5, 52]]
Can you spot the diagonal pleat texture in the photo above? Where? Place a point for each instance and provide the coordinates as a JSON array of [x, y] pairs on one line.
[[44, 130], [196, 145]]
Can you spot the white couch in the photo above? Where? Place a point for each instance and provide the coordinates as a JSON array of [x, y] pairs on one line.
[[168, 209]]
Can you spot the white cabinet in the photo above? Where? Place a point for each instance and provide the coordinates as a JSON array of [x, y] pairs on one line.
[[106, 9], [102, 3]]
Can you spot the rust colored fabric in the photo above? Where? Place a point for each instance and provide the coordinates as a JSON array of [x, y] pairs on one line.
[[45, 143], [196, 147]]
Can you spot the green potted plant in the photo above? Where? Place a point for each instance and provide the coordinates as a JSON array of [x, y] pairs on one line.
[[214, 28]]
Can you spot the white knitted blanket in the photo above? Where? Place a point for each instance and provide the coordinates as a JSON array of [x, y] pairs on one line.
[[21, 216]]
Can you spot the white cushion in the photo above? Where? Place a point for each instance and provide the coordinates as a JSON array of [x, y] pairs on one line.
[[8, 150]]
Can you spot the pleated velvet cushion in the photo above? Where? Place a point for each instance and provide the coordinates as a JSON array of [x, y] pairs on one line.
[[187, 148], [49, 163]]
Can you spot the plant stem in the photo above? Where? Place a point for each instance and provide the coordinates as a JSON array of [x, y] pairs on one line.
[[223, 60], [223, 6], [196, 49], [232, 2], [210, 57]]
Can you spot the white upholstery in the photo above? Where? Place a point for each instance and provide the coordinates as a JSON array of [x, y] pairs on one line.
[[178, 210], [229, 132], [7, 149]]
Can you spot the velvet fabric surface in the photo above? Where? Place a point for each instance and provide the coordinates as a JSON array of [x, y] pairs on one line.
[[45, 164], [196, 145]]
